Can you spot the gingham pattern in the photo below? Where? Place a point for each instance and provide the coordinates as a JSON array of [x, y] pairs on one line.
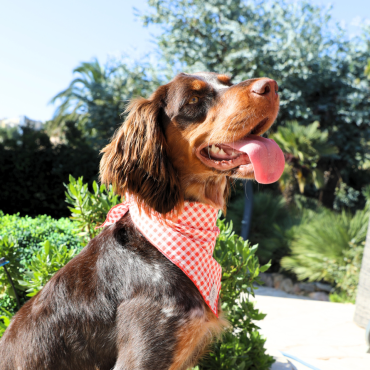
[[187, 239]]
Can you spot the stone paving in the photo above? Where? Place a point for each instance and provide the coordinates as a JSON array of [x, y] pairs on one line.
[[322, 334]]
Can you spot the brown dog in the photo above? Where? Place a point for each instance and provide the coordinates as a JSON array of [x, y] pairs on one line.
[[121, 304]]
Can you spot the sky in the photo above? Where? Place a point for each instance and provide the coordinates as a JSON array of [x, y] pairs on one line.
[[42, 41]]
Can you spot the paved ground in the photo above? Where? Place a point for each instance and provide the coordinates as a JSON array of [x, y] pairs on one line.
[[322, 334]]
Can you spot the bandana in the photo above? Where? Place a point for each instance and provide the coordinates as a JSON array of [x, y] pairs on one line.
[[187, 239]]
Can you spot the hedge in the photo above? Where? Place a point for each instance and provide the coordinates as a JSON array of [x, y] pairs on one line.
[[28, 234]]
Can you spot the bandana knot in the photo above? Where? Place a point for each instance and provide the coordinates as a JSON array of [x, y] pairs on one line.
[[187, 239]]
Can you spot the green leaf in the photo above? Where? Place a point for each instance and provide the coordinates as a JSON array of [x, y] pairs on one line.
[[47, 247], [95, 187], [72, 189], [265, 267]]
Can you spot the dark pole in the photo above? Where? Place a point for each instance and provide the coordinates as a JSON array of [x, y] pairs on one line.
[[3, 262], [247, 216]]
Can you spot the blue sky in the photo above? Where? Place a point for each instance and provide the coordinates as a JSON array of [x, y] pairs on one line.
[[41, 41]]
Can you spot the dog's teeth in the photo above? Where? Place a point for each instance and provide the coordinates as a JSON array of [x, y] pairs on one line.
[[221, 151], [214, 149]]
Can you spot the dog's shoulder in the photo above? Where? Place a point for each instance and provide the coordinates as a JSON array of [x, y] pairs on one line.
[[147, 269], [121, 263]]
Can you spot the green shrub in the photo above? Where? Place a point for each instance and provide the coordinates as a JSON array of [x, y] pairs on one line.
[[21, 238], [4, 320], [89, 209], [44, 265], [12, 255], [242, 347], [9, 303], [345, 197], [329, 246], [29, 234]]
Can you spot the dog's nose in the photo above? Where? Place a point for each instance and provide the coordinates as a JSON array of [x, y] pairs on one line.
[[266, 87]]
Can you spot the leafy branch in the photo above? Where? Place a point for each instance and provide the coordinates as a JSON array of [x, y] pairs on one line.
[[89, 209]]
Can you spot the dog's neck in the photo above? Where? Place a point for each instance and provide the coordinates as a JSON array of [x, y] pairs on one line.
[[213, 191]]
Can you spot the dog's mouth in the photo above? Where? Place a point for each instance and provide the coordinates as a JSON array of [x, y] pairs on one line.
[[224, 156], [251, 156]]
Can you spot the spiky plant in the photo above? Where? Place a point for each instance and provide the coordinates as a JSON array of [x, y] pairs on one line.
[[303, 146], [329, 246]]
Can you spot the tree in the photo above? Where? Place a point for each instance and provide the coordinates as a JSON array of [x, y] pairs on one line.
[[33, 170], [318, 70], [95, 100]]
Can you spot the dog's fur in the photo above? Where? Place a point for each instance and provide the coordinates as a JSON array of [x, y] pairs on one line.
[[120, 304]]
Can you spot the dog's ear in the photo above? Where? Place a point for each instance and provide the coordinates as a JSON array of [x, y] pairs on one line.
[[136, 160]]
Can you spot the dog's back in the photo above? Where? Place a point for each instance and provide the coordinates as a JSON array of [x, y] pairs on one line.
[[118, 277]]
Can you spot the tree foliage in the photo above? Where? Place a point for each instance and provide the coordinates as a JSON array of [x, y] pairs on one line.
[[96, 98], [367, 69], [320, 72], [33, 171]]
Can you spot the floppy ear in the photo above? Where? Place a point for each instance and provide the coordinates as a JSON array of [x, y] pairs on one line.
[[136, 160]]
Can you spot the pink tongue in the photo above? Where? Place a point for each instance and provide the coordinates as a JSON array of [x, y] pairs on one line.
[[266, 157]]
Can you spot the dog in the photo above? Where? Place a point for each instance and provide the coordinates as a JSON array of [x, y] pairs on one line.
[[121, 303]]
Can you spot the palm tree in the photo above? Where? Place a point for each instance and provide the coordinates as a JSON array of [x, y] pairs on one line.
[[90, 101], [75, 99], [96, 98]]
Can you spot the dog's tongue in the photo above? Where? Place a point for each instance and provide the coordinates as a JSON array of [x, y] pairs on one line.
[[266, 157]]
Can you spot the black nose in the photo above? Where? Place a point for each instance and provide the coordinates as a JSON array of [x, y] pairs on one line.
[[265, 86]]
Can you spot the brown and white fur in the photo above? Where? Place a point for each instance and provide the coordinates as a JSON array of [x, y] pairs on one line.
[[120, 304]]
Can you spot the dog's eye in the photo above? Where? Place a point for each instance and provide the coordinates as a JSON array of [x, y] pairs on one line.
[[193, 100]]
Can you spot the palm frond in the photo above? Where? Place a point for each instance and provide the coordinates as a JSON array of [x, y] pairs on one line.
[[323, 241]]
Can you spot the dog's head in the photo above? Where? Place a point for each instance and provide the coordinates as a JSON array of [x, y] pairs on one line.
[[189, 137]]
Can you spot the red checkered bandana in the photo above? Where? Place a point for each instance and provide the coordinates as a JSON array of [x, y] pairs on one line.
[[187, 240]]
